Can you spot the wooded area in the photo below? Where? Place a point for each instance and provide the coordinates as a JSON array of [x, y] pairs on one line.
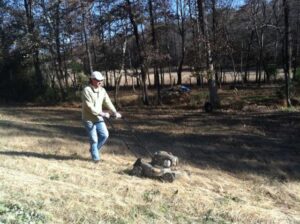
[[49, 48], [166, 63]]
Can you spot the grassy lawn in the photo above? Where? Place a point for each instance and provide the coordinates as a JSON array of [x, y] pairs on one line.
[[240, 165]]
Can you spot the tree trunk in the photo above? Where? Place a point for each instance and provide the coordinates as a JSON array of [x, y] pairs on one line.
[[246, 77], [149, 80], [241, 62], [156, 53], [139, 50], [287, 52], [84, 30], [232, 59], [162, 76], [260, 39], [181, 28], [58, 53], [34, 38], [126, 77], [213, 95], [118, 79], [296, 48]]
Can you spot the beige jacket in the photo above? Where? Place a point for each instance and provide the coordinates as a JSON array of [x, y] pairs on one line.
[[92, 101]]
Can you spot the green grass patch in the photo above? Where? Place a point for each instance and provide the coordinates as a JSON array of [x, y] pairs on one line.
[[149, 196], [260, 99], [17, 214], [143, 211], [211, 218], [56, 176], [115, 220]]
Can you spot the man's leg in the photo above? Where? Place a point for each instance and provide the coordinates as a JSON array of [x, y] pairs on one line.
[[102, 134], [93, 138]]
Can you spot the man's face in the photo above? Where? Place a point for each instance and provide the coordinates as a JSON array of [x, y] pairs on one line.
[[97, 83]]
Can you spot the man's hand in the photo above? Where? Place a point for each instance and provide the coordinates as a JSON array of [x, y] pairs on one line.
[[118, 115], [106, 115]]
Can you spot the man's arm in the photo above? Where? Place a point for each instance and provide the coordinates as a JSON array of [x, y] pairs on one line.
[[110, 105]]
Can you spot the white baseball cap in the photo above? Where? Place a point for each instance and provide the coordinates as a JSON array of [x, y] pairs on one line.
[[97, 75]]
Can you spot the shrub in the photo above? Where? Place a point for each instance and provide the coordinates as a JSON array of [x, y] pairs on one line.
[[271, 70], [297, 75], [281, 91], [50, 95]]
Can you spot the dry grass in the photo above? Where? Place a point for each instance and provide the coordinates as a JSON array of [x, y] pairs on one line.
[[45, 168]]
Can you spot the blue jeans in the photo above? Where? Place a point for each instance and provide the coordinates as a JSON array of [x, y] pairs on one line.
[[98, 134]]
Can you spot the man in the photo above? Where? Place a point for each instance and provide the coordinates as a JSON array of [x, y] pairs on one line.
[[93, 97]]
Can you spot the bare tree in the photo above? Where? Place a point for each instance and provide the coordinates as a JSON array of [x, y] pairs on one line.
[[287, 51], [141, 57], [85, 9], [213, 95], [181, 17], [32, 31], [155, 53]]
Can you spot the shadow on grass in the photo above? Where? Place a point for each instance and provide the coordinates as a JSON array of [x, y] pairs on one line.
[[268, 145], [43, 155], [42, 130], [265, 144]]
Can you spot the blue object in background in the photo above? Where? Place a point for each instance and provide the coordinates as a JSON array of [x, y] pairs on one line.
[[184, 89]]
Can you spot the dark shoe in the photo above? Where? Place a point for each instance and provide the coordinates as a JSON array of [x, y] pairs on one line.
[[96, 161]]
